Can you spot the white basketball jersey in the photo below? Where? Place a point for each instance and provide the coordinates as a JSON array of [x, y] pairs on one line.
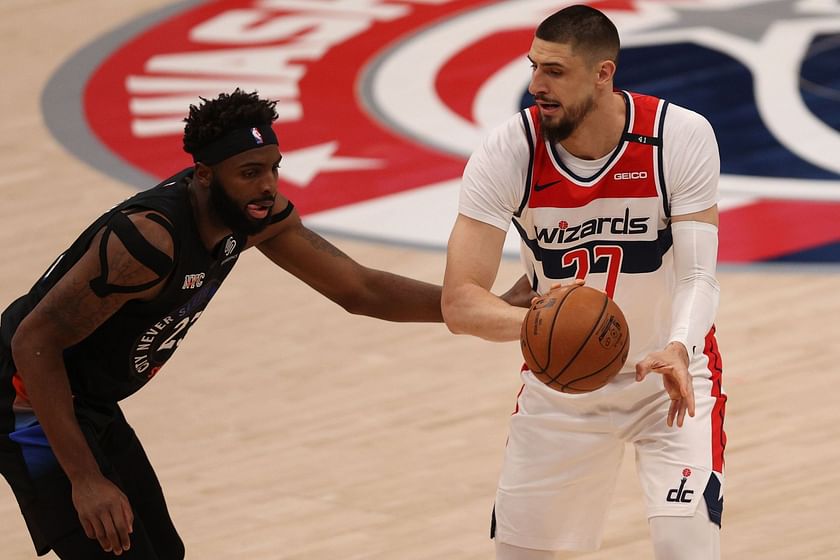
[[611, 228]]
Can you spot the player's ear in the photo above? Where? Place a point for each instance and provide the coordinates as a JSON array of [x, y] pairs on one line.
[[203, 174], [606, 71]]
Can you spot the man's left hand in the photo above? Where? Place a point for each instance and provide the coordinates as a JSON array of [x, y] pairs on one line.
[[672, 364], [520, 294]]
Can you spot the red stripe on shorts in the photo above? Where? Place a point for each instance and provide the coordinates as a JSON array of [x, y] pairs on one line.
[[719, 410], [20, 388], [519, 394]]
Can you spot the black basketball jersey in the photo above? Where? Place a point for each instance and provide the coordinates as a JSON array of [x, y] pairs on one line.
[[128, 349]]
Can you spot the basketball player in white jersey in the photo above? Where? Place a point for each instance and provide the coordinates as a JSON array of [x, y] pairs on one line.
[[620, 190]]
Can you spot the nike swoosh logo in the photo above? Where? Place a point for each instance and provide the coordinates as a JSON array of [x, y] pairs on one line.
[[546, 185]]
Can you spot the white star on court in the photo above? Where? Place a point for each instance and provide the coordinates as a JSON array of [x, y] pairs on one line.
[[301, 166]]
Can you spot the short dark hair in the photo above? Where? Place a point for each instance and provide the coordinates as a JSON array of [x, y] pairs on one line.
[[213, 118], [584, 28]]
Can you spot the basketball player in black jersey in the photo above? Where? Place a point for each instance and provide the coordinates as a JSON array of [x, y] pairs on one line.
[[112, 309]]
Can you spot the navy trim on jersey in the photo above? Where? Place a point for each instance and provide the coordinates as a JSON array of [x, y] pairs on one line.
[[521, 231], [666, 204], [628, 103], [529, 136], [639, 256], [524, 236]]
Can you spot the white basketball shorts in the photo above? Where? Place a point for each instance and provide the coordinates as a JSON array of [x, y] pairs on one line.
[[564, 452]]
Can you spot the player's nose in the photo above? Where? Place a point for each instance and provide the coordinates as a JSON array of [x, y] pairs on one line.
[[268, 185], [537, 84]]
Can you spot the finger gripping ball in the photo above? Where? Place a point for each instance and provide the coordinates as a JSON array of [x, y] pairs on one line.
[[575, 339]]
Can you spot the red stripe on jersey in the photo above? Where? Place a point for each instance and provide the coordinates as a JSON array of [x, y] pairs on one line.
[[719, 410], [569, 195], [632, 175], [645, 108]]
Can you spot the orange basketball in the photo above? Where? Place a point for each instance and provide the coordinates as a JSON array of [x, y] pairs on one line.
[[575, 339]]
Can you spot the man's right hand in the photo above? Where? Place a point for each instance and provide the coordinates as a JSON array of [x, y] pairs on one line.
[[104, 512]]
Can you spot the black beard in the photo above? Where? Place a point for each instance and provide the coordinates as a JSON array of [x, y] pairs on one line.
[[556, 133], [231, 215]]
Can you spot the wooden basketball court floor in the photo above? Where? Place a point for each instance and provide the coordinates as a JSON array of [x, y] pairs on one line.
[[287, 429]]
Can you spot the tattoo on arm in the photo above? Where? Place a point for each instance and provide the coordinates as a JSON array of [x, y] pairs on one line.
[[71, 314], [104, 279], [320, 243]]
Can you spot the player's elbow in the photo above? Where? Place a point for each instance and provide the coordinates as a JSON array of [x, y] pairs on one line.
[[355, 303], [451, 311], [452, 322], [700, 282], [22, 342], [29, 346]]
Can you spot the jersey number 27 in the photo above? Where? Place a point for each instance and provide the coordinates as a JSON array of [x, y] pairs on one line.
[[582, 259]]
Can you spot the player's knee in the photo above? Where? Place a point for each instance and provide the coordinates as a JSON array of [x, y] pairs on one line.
[[667, 545], [685, 538]]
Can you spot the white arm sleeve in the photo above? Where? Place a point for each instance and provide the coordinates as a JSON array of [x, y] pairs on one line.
[[698, 292]]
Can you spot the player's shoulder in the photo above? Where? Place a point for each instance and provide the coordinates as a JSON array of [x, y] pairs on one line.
[[155, 227], [139, 234], [136, 252], [508, 136], [682, 119], [510, 127]]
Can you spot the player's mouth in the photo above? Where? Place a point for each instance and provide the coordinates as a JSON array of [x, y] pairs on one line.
[[548, 107], [259, 210]]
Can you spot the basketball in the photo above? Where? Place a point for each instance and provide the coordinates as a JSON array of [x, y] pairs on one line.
[[575, 339]]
